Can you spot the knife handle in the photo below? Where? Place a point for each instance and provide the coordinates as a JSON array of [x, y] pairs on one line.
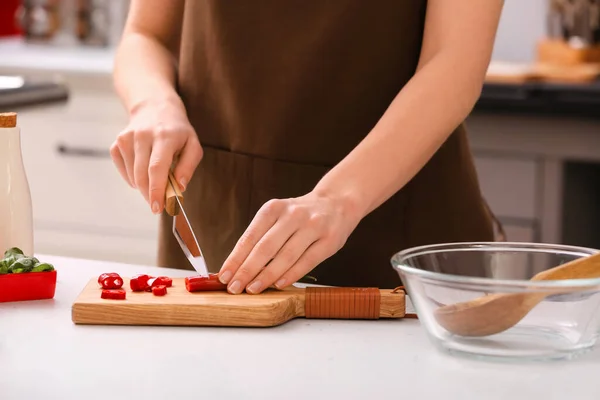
[[171, 206]]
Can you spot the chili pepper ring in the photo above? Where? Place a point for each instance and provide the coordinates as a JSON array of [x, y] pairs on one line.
[[159, 290], [113, 294]]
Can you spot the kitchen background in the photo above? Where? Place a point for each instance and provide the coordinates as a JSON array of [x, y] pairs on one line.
[[535, 131]]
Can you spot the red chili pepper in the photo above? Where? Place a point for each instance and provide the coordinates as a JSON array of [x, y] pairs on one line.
[[149, 285], [113, 294], [112, 282], [159, 290], [105, 275], [168, 282], [203, 283], [139, 283], [152, 282]]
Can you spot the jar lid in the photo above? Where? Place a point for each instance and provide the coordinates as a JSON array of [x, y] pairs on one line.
[[8, 120]]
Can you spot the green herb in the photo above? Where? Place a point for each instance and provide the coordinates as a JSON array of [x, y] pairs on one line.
[[41, 267], [13, 258], [15, 262], [24, 264], [13, 251], [3, 267]]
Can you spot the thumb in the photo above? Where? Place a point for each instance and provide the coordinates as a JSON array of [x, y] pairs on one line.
[[188, 161]]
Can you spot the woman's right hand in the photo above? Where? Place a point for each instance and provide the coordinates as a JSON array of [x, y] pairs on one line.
[[158, 134]]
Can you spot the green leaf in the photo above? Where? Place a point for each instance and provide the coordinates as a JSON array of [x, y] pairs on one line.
[[24, 264], [12, 252], [16, 262], [3, 267], [11, 259], [43, 267]]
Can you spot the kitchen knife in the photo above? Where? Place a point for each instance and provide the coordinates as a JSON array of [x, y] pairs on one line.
[[182, 229]]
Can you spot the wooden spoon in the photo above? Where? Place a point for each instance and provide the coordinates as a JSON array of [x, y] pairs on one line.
[[496, 313]]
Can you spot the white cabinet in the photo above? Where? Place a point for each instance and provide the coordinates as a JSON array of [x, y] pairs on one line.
[[82, 206]]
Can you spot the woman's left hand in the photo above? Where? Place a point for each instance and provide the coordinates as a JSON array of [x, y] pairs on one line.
[[286, 240]]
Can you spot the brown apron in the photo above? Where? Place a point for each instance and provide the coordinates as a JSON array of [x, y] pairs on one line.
[[279, 92]]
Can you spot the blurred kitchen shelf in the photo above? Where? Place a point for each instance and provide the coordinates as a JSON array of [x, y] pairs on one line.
[[16, 53]]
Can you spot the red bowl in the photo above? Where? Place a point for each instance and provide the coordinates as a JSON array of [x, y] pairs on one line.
[[27, 286]]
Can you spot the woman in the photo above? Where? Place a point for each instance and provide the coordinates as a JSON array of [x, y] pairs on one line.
[[313, 138]]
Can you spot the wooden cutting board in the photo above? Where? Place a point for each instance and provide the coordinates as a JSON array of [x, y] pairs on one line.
[[520, 73], [271, 308]]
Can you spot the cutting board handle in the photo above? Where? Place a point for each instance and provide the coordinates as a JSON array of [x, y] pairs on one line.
[[353, 303]]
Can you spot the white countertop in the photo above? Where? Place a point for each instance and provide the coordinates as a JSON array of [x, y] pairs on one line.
[[43, 355], [17, 54]]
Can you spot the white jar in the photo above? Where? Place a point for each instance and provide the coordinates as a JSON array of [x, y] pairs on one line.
[[16, 216]]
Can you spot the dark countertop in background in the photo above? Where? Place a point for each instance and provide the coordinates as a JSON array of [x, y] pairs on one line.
[[30, 92], [544, 99]]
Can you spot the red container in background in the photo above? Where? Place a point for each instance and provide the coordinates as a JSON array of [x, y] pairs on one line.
[[27, 286], [8, 20]]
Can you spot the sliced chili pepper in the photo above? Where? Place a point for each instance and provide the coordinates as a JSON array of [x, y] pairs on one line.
[[149, 285], [112, 282], [159, 290], [168, 282], [139, 283], [152, 282], [114, 294], [203, 283], [105, 275]]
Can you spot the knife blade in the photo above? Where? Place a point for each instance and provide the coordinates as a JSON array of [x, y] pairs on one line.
[[182, 229]]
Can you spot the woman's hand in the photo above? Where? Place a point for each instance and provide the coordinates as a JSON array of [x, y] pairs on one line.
[[157, 134], [286, 240]]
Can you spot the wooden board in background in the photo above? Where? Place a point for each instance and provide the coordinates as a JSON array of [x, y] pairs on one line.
[[520, 73], [509, 73], [181, 308], [584, 73]]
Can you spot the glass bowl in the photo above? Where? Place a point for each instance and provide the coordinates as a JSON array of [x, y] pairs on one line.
[[563, 324]]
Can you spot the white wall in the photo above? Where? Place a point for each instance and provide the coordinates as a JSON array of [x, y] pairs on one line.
[[522, 24]]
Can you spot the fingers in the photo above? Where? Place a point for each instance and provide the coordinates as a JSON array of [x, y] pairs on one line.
[[263, 221], [142, 149], [144, 158], [289, 254], [158, 171], [117, 158], [188, 161], [312, 257], [264, 251], [287, 239], [125, 145]]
